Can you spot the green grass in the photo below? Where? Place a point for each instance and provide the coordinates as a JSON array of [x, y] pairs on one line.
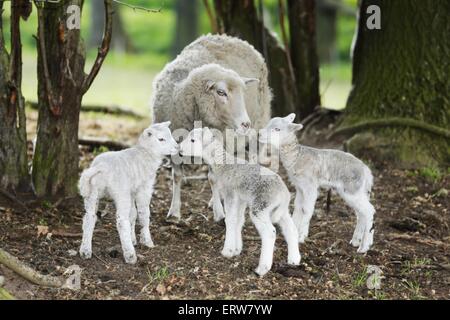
[[158, 276]]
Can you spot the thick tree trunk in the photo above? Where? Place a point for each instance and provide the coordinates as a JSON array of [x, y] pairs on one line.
[[403, 71], [302, 24], [55, 162], [326, 23], [240, 19], [13, 136], [186, 29]]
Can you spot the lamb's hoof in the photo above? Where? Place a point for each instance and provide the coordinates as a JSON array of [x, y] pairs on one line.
[[173, 214], [302, 238], [148, 243], [211, 203], [363, 248], [130, 258], [262, 270], [228, 253], [85, 254], [294, 261], [134, 241], [355, 242]]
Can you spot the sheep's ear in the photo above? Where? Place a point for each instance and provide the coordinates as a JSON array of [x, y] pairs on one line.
[[247, 81], [295, 126], [209, 85], [290, 118]]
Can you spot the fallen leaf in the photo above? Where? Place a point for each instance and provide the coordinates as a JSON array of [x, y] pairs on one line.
[[42, 230]]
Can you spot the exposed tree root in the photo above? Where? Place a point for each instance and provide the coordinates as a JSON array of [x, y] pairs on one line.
[[114, 110], [391, 122], [5, 295], [14, 199], [28, 273]]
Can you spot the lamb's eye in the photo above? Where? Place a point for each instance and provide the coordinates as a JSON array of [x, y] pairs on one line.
[[162, 139], [277, 129], [192, 140], [149, 134], [221, 93]]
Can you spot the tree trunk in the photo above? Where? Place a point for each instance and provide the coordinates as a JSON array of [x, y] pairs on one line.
[[402, 71], [61, 86], [186, 29], [240, 19], [326, 23], [302, 25], [120, 41], [13, 136]]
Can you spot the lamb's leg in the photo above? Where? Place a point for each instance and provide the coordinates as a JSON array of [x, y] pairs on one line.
[[309, 196], [143, 199], [215, 201], [133, 216], [239, 225], [177, 178], [363, 234], [89, 219], [290, 234], [123, 206], [267, 232], [229, 246], [296, 215]]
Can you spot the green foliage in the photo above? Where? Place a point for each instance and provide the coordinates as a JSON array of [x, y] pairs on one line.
[[158, 276], [100, 150], [431, 174]]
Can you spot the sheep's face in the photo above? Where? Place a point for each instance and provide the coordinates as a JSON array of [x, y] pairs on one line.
[[158, 138], [230, 103], [279, 130], [196, 143]]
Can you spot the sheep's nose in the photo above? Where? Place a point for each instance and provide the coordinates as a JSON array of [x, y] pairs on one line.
[[246, 125]]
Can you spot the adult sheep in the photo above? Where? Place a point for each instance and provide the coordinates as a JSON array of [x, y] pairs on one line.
[[219, 80]]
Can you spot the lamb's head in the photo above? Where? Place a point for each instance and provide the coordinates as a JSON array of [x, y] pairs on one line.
[[158, 139], [221, 98], [279, 130], [199, 143]]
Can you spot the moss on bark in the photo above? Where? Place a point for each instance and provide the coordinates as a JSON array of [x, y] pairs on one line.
[[402, 71]]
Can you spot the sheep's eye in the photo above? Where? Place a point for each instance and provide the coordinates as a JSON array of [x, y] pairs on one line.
[[162, 139], [192, 140], [221, 93]]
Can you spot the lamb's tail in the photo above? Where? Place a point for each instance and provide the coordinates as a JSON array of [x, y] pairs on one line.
[[368, 180], [85, 183]]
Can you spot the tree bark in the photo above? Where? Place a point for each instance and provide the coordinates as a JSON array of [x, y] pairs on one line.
[[326, 24], [302, 24], [186, 28], [240, 19], [13, 147], [61, 86], [402, 71]]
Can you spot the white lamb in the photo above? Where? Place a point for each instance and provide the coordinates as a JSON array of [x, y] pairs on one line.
[[127, 177], [219, 80], [310, 168], [246, 185]]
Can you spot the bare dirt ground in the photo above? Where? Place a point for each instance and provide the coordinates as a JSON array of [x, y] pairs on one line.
[[411, 243]]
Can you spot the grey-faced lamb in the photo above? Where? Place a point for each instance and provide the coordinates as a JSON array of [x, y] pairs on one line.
[[310, 168], [246, 185], [127, 177], [218, 80]]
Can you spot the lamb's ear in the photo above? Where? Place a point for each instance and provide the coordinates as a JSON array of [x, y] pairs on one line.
[[209, 85], [166, 124], [295, 126], [290, 118], [247, 81]]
